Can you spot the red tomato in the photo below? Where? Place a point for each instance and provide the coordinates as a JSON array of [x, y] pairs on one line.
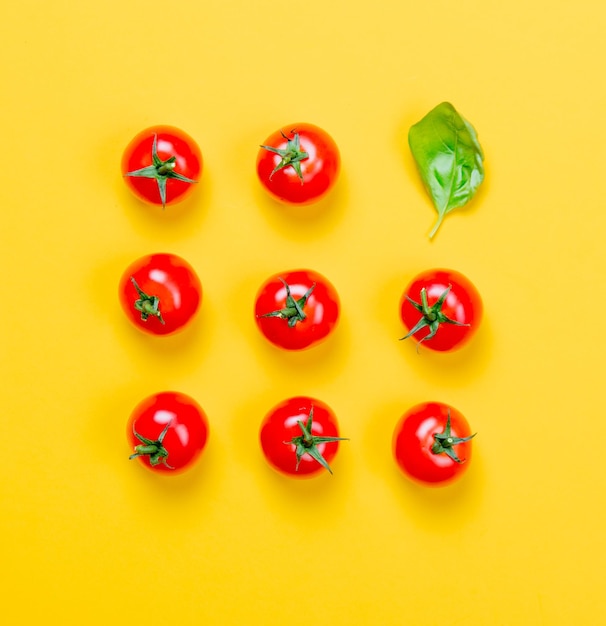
[[167, 431], [300, 436], [298, 164], [432, 443], [297, 309], [160, 293], [161, 164], [442, 309]]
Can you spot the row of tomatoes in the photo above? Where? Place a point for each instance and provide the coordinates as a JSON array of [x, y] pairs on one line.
[[296, 310], [298, 166], [300, 437]]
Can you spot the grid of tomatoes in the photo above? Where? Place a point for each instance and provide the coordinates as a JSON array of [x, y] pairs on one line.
[[295, 309]]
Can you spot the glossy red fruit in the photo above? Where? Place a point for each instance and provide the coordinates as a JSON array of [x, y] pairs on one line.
[[300, 437], [167, 432], [441, 309], [298, 164], [297, 309], [432, 443], [161, 165], [160, 293]]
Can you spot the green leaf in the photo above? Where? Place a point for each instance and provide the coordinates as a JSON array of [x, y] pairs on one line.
[[449, 158]]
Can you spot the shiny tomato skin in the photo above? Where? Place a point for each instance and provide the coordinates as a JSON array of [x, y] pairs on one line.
[[320, 170], [185, 438], [414, 437], [463, 304], [280, 426], [322, 309], [171, 141], [173, 281]]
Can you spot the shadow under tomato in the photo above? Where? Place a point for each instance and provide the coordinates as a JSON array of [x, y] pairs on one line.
[[305, 502], [175, 221], [187, 346], [455, 368], [451, 369], [437, 508], [319, 363], [302, 501], [155, 495], [311, 221], [441, 507]]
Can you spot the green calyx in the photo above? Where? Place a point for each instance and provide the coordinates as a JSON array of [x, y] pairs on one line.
[[153, 449], [291, 155], [293, 311], [432, 316], [307, 443], [161, 171], [444, 442], [147, 305]]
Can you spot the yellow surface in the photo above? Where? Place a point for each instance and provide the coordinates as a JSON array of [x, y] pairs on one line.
[[88, 537]]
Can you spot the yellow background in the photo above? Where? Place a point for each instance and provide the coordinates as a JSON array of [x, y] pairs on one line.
[[88, 537]]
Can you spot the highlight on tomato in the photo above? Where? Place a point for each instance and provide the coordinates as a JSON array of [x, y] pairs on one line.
[[167, 432], [161, 165], [300, 437], [441, 309], [297, 309], [160, 293], [298, 164], [432, 443]]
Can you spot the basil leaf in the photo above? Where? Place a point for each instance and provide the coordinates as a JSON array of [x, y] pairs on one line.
[[449, 158]]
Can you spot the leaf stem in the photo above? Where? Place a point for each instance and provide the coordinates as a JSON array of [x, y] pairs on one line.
[[436, 226]]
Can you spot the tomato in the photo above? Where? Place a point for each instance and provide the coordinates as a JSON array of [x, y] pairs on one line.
[[300, 436], [160, 293], [432, 443], [167, 432], [442, 309], [297, 309], [298, 164], [161, 164]]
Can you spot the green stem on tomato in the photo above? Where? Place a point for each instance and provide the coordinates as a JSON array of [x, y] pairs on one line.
[[167, 167], [444, 442], [160, 171], [307, 442], [293, 311], [152, 448], [291, 155], [432, 316], [147, 305]]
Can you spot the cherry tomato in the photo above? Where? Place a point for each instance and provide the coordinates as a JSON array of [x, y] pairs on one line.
[[298, 164], [432, 443], [167, 432], [441, 309], [160, 293], [297, 309], [300, 436], [161, 164]]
